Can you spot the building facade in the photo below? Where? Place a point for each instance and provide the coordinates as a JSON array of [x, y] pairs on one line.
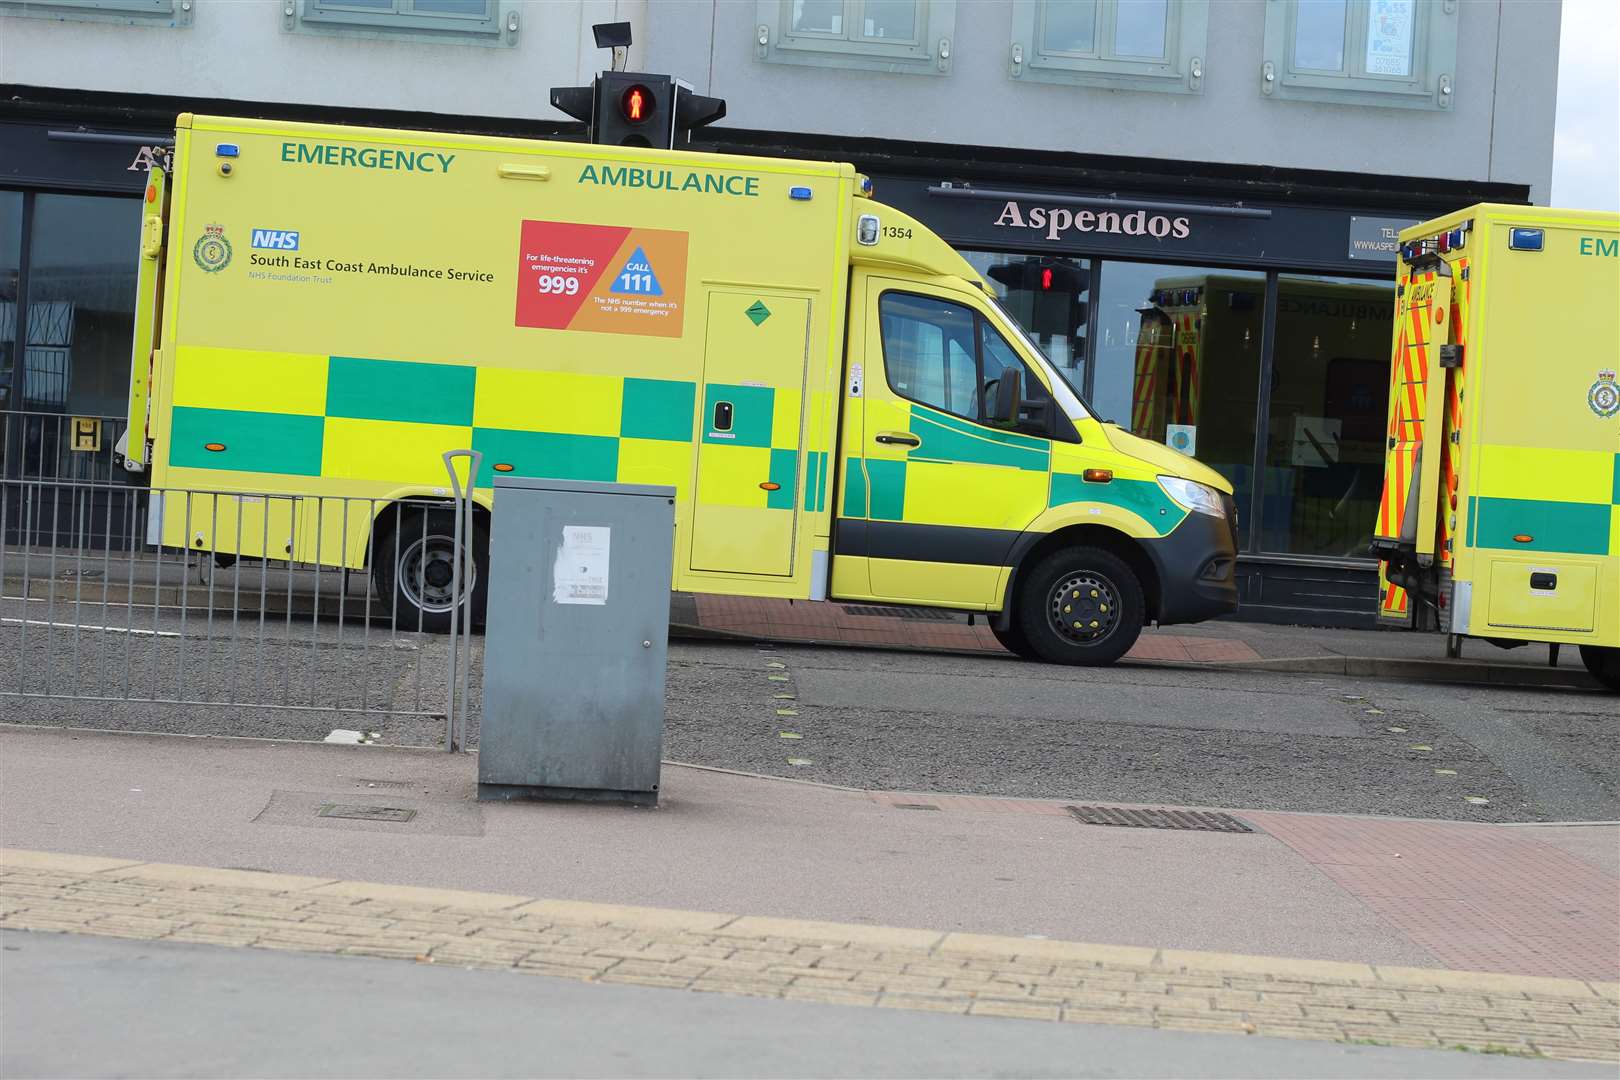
[[1190, 203]]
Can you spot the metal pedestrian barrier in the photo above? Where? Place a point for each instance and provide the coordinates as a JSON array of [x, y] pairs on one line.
[[268, 603]]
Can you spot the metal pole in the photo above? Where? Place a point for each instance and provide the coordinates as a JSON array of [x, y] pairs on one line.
[[463, 536]]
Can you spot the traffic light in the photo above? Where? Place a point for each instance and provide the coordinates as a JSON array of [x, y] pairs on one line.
[[1045, 294], [634, 108]]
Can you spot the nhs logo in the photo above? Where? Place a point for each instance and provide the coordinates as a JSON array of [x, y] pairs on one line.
[[275, 239]]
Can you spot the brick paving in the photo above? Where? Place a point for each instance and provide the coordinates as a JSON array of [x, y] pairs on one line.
[[856, 624], [826, 962], [1476, 896]]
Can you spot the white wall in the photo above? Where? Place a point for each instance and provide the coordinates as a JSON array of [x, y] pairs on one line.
[[1500, 128], [236, 49]]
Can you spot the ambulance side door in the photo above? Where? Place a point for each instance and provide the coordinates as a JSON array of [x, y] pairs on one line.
[[939, 493]]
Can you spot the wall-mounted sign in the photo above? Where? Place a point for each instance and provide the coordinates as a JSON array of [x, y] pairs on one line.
[[1377, 239]]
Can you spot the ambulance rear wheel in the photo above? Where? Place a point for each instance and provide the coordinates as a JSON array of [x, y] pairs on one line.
[[415, 570], [1604, 664], [1082, 606], [1013, 640]]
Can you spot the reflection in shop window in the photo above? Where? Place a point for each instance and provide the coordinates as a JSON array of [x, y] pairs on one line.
[[1329, 395], [1049, 297], [81, 303], [1178, 361], [10, 266]]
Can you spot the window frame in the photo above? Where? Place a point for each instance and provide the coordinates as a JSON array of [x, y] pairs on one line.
[[1179, 71], [1049, 429], [497, 27], [777, 42], [1434, 59], [174, 14]]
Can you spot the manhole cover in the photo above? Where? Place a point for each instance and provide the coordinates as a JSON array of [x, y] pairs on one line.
[[1158, 819], [915, 613], [365, 813]]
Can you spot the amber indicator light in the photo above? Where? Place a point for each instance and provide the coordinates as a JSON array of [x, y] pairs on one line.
[[1098, 476], [216, 447], [151, 193], [503, 467], [1523, 538], [770, 485]]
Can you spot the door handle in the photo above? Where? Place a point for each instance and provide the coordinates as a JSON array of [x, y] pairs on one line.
[[897, 438]]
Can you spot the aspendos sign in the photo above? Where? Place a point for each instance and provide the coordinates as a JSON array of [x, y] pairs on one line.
[[1058, 220]]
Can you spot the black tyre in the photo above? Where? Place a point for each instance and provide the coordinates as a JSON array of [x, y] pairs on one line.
[[1082, 605], [1603, 663], [1013, 640], [414, 565]]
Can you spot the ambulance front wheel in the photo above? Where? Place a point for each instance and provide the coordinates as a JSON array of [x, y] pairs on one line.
[[1603, 663], [1082, 605], [1013, 640], [415, 561]]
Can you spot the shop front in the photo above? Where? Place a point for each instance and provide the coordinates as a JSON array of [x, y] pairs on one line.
[[1254, 336], [69, 223]]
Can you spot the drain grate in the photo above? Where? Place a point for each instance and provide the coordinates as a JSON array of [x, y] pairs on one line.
[[917, 614], [367, 781], [915, 806], [365, 813], [1198, 820]]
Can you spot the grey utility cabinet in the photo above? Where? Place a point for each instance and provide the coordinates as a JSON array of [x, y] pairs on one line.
[[576, 640]]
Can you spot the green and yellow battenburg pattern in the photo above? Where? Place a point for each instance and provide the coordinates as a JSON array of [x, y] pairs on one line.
[[1576, 508], [920, 486], [354, 418]]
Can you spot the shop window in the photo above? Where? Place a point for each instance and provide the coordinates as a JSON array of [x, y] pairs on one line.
[[1329, 398], [11, 204], [1178, 362], [875, 35], [468, 22], [1120, 44], [1400, 53], [82, 262], [130, 12], [1051, 299]]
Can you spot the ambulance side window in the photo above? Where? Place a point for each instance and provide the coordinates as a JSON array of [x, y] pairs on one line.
[[947, 356], [929, 352], [1001, 362]]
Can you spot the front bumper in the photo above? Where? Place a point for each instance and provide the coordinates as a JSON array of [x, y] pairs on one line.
[[1197, 565]]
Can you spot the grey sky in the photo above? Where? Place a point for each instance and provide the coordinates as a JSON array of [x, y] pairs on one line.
[[1586, 140]]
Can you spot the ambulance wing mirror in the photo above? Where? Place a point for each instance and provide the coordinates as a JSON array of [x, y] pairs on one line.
[[1004, 407]]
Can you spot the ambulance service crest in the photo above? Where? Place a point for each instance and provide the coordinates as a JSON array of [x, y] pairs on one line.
[[212, 251], [1604, 396]]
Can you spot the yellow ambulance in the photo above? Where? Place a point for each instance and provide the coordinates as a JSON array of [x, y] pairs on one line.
[[841, 404], [1500, 516]]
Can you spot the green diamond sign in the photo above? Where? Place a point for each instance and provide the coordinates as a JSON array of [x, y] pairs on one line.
[[758, 312]]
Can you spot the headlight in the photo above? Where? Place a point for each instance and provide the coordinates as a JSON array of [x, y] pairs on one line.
[[1200, 498]]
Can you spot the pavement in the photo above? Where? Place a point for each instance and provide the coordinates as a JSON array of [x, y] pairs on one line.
[[1429, 933], [1223, 642], [880, 967], [167, 1008]]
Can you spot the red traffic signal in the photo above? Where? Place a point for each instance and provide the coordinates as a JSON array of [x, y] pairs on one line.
[[636, 104], [1046, 279]]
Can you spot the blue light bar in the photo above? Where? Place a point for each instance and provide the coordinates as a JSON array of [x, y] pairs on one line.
[[227, 149], [1525, 239], [800, 193]]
